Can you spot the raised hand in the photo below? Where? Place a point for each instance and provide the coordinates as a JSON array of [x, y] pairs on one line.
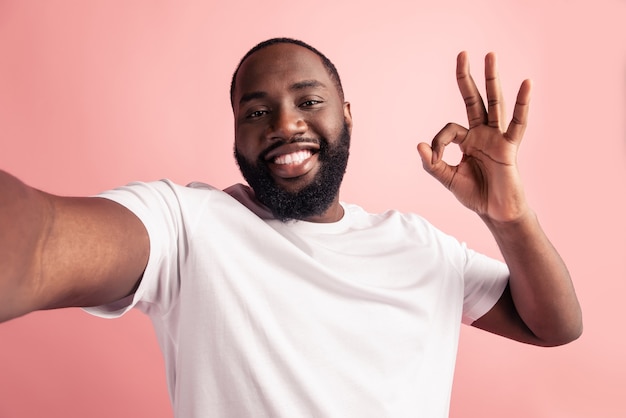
[[486, 180]]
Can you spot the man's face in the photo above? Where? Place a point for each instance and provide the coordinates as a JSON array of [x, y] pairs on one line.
[[292, 131]]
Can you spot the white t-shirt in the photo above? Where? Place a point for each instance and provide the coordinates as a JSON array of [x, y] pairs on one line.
[[259, 318]]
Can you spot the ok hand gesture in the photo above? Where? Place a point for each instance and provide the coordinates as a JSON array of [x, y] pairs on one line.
[[486, 180]]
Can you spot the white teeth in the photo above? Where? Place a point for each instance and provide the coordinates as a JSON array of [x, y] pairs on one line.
[[293, 158]]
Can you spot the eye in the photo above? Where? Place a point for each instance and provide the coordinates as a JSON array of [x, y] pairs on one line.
[[310, 103], [256, 114]]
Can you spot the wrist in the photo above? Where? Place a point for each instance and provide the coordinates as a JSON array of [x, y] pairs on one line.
[[524, 218]]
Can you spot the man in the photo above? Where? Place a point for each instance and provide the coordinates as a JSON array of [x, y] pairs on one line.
[[280, 300]]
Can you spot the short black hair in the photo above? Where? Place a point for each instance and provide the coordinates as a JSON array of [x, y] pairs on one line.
[[330, 67]]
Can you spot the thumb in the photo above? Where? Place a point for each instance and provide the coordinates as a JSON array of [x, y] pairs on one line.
[[438, 168], [426, 154]]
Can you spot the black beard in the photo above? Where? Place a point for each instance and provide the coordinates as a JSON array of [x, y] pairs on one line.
[[312, 200]]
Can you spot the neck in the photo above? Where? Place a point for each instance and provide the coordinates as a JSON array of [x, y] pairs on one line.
[[333, 214]]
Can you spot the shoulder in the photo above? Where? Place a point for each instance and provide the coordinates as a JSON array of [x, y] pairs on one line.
[[165, 191], [395, 219], [166, 202]]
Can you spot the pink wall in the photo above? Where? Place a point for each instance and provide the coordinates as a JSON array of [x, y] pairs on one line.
[[96, 94]]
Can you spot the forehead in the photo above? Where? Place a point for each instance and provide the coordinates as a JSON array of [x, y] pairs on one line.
[[279, 65]]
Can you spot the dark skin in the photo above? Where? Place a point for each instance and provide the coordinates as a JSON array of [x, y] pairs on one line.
[[58, 252], [284, 92], [540, 305]]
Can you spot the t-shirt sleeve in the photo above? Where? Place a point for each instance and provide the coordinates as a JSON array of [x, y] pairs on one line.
[[485, 280], [156, 204]]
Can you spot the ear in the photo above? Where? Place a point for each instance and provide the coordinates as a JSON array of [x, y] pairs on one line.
[[347, 115]]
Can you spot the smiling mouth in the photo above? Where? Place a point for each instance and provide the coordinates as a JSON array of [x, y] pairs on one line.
[[290, 153], [293, 158], [292, 161]]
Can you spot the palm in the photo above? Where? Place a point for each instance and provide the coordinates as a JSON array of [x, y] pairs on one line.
[[486, 180]]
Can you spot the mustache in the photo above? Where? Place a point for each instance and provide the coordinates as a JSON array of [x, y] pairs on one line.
[[280, 143]]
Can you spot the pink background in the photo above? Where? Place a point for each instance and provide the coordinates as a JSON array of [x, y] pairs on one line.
[[94, 94]]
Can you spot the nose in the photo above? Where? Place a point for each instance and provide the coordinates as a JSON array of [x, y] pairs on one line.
[[286, 124]]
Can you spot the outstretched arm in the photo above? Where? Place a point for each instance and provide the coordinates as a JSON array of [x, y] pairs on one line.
[[540, 305], [60, 251]]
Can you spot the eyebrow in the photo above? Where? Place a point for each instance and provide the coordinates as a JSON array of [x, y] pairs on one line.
[[300, 85], [251, 96], [307, 84]]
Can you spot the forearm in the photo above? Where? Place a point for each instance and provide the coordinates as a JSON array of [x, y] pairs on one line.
[[23, 216], [540, 283]]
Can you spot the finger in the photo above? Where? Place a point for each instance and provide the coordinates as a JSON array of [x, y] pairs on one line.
[[476, 112], [519, 121], [451, 133], [496, 113]]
